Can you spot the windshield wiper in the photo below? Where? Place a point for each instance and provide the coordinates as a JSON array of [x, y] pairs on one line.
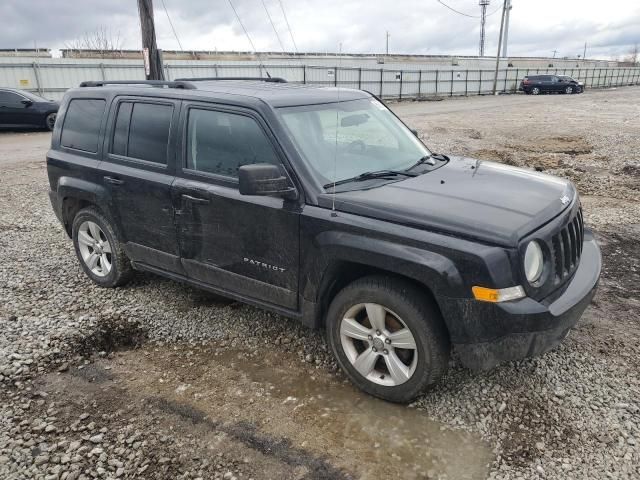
[[429, 159], [371, 175]]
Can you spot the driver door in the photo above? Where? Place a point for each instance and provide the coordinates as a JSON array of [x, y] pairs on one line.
[[247, 246]]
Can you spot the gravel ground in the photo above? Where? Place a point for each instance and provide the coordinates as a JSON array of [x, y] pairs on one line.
[[158, 380]]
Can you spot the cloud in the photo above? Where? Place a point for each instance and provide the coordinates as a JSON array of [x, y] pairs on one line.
[[415, 26]]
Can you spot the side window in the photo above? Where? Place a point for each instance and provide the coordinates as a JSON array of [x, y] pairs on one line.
[[142, 131], [220, 142], [81, 127], [10, 99]]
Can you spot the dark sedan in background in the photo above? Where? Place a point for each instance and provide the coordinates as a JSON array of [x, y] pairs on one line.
[[19, 108], [536, 84]]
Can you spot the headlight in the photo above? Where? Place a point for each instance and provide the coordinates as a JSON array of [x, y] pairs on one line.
[[533, 262]]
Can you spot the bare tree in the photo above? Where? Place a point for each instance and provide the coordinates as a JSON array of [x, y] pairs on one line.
[[633, 55], [103, 43]]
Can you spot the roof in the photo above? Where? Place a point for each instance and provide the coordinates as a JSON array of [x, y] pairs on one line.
[[282, 94], [273, 93]]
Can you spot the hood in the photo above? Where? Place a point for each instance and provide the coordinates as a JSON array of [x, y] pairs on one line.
[[488, 201]]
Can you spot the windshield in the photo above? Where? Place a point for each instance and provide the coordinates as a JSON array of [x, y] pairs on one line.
[[362, 136]]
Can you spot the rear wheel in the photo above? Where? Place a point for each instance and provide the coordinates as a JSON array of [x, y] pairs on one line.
[[99, 250], [535, 91], [387, 337], [50, 121]]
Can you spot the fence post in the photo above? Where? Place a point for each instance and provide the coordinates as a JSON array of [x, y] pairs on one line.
[[479, 82], [506, 74], [166, 72], [437, 74], [466, 83], [36, 72], [419, 83], [104, 77], [360, 78], [304, 74], [515, 85], [451, 85], [335, 77], [381, 78], [400, 96]]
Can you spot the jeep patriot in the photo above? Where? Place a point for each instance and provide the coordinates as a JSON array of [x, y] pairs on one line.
[[321, 205]]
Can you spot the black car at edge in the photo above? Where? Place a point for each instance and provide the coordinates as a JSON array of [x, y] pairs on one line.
[[321, 205], [536, 84], [19, 108]]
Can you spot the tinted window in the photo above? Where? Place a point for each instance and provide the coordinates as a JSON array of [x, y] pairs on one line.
[[82, 124], [9, 98], [220, 143], [149, 132], [121, 130]]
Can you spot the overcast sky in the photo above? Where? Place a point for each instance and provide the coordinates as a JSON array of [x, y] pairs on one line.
[[416, 26]]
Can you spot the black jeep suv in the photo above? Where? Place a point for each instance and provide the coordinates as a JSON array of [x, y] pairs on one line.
[[536, 84], [321, 205]]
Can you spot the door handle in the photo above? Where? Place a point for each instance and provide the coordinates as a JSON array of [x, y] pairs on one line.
[[195, 200], [113, 181]]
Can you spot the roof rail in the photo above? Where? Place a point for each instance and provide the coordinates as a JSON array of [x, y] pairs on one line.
[[255, 79], [152, 83]]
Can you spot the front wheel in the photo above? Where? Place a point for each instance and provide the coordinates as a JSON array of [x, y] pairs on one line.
[[568, 90], [50, 121], [387, 337], [99, 250]]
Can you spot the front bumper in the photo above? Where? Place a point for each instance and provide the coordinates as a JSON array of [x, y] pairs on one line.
[[486, 334]]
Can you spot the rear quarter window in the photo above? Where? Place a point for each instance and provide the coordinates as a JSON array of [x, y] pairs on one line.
[[81, 128]]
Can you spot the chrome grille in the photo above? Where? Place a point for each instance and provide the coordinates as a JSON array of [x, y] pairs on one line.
[[567, 247]]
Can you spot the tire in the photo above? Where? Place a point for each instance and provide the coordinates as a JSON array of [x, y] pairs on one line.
[[535, 91], [568, 90], [50, 121], [93, 236], [402, 308]]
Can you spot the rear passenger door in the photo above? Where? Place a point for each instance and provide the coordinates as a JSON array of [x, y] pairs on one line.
[[244, 245], [138, 169]]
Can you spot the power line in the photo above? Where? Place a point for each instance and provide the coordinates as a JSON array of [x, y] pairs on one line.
[[288, 26], [466, 14], [250, 41], [457, 11], [273, 26], [242, 25], [171, 23]]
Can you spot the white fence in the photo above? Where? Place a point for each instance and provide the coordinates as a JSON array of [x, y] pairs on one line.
[[51, 78]]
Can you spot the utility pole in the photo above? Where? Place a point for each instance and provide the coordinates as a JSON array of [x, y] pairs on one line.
[[506, 29], [483, 20], [388, 35], [584, 55], [150, 52], [495, 77], [554, 53]]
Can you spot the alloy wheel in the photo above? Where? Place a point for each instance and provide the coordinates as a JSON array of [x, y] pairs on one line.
[[568, 90], [95, 248], [535, 90], [378, 344], [51, 121]]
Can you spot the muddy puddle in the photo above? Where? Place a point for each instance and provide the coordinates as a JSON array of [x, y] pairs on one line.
[[309, 410]]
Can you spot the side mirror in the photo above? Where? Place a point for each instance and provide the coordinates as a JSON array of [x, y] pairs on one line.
[[264, 179], [414, 131], [26, 103]]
